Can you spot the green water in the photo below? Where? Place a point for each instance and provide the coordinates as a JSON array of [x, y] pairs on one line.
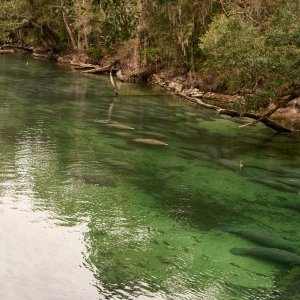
[[86, 213]]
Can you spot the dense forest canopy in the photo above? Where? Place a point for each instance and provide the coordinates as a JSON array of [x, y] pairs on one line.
[[244, 45]]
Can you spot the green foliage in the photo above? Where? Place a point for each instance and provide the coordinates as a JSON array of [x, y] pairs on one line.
[[253, 54], [153, 54], [255, 46], [172, 28], [8, 24], [234, 47], [120, 20], [95, 53]]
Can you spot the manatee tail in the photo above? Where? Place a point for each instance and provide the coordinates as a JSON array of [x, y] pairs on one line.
[[239, 251]]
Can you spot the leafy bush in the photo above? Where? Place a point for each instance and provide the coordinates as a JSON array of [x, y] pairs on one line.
[[261, 55]]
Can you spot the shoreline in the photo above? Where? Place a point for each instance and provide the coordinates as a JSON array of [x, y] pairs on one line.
[[125, 71], [178, 86]]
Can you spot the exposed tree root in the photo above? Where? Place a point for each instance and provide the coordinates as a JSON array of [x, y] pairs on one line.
[[7, 51], [13, 46]]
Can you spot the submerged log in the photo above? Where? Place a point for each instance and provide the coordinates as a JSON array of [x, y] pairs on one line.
[[82, 66], [234, 113], [264, 120]]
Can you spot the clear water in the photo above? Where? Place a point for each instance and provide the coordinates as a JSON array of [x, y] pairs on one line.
[[86, 213]]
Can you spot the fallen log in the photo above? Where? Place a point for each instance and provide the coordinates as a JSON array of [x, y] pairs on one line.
[[82, 66], [8, 51], [264, 120], [232, 113], [106, 68], [268, 114]]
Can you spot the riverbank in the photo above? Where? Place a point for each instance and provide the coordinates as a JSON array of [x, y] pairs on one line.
[[191, 86]]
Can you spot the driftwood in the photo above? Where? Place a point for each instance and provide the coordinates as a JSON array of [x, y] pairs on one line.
[[107, 68], [233, 113], [8, 51], [82, 66]]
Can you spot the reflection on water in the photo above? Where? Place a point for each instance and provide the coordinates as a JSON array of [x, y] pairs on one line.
[[86, 213]]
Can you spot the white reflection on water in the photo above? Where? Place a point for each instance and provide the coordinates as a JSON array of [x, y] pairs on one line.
[[37, 257]]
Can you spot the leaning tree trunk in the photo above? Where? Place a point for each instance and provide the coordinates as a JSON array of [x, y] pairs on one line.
[[68, 28], [233, 113]]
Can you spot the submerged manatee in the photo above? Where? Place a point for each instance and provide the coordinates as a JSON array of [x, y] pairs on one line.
[[213, 152], [293, 206], [293, 182], [229, 164], [119, 126], [264, 238], [276, 185], [273, 254], [92, 178], [150, 142], [122, 165], [195, 154]]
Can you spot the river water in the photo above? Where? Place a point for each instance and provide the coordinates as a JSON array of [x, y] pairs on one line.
[[87, 213]]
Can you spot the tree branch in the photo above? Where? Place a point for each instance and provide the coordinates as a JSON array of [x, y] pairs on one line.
[[233, 113]]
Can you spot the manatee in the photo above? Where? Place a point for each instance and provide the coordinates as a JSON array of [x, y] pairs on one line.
[[284, 172], [175, 168], [119, 126], [95, 179], [213, 152], [181, 134], [119, 164], [124, 147], [276, 185], [195, 154], [150, 142], [292, 182], [264, 238], [294, 206], [229, 164], [273, 254]]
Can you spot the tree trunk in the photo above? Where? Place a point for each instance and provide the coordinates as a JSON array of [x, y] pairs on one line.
[[68, 28]]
